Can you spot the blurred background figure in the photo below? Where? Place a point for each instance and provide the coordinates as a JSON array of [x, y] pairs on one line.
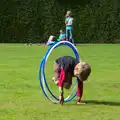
[[62, 36]]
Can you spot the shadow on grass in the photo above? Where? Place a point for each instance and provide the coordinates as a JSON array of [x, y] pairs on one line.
[[97, 102]]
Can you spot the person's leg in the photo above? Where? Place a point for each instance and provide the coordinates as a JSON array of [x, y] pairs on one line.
[[71, 37], [67, 34], [56, 72]]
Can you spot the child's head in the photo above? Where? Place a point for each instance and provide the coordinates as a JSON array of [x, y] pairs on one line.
[[69, 13], [61, 31], [82, 70]]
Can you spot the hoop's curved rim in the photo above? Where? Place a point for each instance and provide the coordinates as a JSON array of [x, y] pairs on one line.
[[42, 77]]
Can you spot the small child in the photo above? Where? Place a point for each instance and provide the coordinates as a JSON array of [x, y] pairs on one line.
[[67, 67], [51, 40], [62, 36], [68, 23]]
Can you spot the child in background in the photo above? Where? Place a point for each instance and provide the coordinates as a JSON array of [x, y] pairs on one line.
[[67, 67], [68, 23], [62, 36], [51, 40]]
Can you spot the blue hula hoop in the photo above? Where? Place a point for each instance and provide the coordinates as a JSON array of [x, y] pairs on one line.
[[43, 83]]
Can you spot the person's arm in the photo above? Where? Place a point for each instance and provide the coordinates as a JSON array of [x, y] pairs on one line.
[[79, 91], [61, 97], [70, 21], [60, 84]]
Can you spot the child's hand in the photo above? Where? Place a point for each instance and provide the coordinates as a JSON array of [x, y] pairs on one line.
[[80, 102], [61, 99]]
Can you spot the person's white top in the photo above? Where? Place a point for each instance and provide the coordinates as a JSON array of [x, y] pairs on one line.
[[69, 21], [51, 38]]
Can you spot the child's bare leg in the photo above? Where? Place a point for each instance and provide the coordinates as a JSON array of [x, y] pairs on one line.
[[56, 73]]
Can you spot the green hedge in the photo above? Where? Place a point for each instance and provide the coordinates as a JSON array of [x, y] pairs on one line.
[[35, 20]]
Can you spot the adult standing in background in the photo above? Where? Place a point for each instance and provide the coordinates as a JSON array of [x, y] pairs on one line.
[[68, 23]]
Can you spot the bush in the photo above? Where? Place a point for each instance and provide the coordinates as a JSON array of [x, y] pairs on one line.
[[35, 20]]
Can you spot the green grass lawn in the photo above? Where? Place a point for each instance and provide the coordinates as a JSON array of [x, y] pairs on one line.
[[21, 97]]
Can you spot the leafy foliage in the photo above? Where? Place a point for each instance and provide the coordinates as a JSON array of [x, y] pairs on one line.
[[35, 20]]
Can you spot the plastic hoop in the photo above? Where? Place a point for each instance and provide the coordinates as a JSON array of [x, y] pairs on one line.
[[42, 78]]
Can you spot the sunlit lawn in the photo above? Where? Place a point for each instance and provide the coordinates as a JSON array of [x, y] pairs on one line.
[[21, 97]]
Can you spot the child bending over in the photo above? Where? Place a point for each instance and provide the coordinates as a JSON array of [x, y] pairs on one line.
[[67, 67]]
